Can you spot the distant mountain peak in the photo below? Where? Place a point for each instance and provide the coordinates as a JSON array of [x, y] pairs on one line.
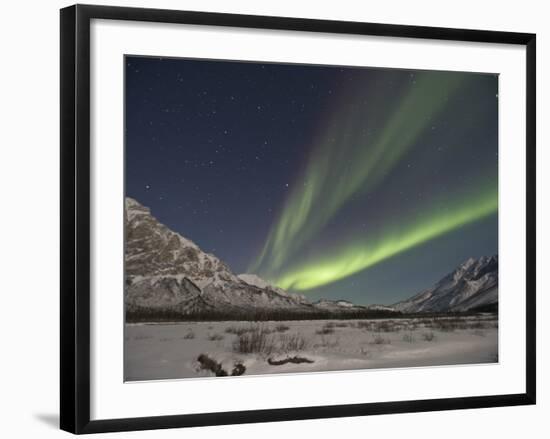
[[473, 283], [338, 304]]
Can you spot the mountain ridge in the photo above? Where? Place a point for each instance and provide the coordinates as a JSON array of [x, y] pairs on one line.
[[168, 275], [472, 284]]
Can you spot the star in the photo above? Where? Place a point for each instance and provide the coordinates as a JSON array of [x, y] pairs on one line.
[[344, 122]]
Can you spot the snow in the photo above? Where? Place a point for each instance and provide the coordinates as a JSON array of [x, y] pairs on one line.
[[167, 351], [474, 282], [257, 281], [335, 304], [254, 280], [381, 307]]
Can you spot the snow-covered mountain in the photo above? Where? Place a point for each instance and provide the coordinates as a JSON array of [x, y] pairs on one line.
[[345, 306], [336, 305], [472, 284], [381, 308], [167, 272], [255, 280]]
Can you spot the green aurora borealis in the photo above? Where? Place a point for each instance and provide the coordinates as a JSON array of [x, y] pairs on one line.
[[360, 183], [349, 160], [363, 253]]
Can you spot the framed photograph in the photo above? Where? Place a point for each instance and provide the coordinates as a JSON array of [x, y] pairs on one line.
[[268, 218]]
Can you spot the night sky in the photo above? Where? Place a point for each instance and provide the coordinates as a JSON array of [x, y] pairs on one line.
[[349, 183]]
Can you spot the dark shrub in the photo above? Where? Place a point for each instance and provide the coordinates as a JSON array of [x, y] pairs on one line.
[[256, 341]]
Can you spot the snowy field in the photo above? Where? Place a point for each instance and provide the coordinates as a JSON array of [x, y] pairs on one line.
[[199, 349]]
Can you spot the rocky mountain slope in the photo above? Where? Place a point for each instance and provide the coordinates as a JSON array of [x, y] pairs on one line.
[[471, 285], [166, 272]]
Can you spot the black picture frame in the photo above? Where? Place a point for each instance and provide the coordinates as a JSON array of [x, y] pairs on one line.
[[75, 218]]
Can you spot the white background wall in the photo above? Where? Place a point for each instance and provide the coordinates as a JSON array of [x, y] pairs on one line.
[[29, 198]]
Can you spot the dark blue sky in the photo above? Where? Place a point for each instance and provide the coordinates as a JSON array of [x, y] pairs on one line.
[[215, 149]]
